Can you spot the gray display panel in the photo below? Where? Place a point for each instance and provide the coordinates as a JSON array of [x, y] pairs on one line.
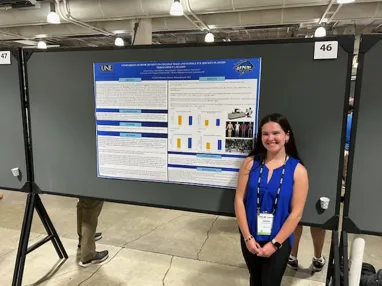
[[311, 93], [366, 181], [12, 151]]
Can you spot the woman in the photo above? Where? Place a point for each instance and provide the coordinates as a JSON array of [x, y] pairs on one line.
[[270, 197]]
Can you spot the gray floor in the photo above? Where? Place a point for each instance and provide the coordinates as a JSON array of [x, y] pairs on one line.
[[148, 246]]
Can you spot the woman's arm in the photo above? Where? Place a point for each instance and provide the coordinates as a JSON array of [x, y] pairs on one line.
[[241, 189], [300, 192]]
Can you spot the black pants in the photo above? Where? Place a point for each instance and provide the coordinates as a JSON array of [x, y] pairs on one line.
[[266, 271]]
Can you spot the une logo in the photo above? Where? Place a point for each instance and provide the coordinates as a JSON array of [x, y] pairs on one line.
[[244, 67], [106, 68]]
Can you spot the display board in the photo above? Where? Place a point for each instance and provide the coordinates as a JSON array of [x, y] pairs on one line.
[[364, 184], [189, 122], [12, 151], [311, 93]]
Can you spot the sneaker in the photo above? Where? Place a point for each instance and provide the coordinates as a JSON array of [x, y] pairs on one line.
[[97, 236], [318, 264], [293, 263], [98, 258]]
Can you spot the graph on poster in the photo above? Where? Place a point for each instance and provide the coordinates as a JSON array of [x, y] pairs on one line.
[[187, 122]]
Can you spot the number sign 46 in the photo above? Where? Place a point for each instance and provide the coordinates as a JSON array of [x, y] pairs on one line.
[[5, 57], [325, 50]]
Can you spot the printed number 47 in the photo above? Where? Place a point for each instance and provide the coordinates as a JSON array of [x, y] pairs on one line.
[[325, 48], [4, 55]]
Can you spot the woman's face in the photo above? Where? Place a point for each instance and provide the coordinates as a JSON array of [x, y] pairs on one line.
[[273, 137]]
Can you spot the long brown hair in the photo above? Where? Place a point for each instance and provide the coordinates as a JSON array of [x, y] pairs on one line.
[[260, 151]]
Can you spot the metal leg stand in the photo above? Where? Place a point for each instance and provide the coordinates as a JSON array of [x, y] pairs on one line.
[[34, 202]]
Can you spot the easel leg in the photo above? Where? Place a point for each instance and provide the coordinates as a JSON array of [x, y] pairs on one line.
[[50, 229], [24, 239], [34, 202], [330, 273], [345, 256], [337, 262]]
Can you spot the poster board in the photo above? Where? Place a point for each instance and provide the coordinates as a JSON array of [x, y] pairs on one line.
[[12, 151], [64, 121], [364, 180]]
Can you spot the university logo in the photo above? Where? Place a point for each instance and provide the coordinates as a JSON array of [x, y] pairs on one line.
[[244, 67], [106, 68]]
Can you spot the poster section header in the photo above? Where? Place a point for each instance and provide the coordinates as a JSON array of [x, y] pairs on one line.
[[186, 122], [212, 70]]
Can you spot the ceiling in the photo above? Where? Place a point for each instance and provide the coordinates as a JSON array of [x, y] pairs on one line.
[[96, 23]]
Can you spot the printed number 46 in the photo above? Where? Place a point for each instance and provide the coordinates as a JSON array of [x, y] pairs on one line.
[[4, 55], [325, 48]]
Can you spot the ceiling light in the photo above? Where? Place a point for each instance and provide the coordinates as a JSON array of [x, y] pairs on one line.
[[42, 45], [40, 36], [209, 38], [53, 18], [345, 1], [119, 42], [320, 32], [176, 8], [119, 31]]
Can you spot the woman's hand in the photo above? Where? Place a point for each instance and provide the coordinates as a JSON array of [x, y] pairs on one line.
[[267, 251], [253, 247]]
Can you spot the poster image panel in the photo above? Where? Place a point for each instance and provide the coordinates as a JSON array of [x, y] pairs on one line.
[[188, 122]]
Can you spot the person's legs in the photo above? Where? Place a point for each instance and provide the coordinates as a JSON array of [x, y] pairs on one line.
[[97, 235], [253, 264], [1, 196], [79, 221], [90, 210], [273, 268], [318, 237], [293, 261]]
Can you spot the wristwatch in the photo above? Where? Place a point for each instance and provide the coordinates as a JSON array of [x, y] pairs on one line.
[[276, 244]]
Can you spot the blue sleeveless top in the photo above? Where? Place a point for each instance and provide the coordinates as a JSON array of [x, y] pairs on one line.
[[267, 197]]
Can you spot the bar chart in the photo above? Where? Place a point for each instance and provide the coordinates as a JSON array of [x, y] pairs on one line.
[[212, 144], [183, 143]]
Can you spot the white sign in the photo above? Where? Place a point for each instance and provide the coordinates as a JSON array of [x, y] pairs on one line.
[[5, 57], [325, 50]]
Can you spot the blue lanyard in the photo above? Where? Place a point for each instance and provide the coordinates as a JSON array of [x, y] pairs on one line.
[[278, 190]]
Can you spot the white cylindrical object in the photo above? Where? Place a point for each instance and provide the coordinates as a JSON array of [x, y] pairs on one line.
[[324, 201], [356, 260], [15, 172]]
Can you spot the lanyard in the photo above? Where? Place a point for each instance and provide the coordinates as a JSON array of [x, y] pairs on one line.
[[278, 190]]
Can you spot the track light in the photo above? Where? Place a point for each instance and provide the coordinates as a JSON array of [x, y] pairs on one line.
[[41, 45], [209, 38], [119, 42], [176, 8], [345, 1], [320, 32], [53, 17]]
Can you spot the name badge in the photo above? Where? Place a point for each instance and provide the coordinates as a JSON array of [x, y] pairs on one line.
[[264, 224]]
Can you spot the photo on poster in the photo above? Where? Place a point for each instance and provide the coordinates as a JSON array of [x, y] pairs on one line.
[[239, 129], [238, 146], [241, 114]]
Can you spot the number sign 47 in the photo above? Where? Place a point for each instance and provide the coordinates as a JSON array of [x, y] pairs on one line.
[[5, 57], [325, 50]]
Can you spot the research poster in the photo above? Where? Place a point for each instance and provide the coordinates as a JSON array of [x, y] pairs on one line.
[[187, 122]]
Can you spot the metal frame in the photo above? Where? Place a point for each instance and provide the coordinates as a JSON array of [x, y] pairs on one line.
[[348, 226], [346, 42], [33, 200]]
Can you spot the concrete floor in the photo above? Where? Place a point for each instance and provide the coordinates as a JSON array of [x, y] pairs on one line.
[[147, 246]]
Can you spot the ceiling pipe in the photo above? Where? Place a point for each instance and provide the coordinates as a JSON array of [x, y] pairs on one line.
[[326, 11], [335, 13], [12, 34], [195, 16], [68, 17]]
